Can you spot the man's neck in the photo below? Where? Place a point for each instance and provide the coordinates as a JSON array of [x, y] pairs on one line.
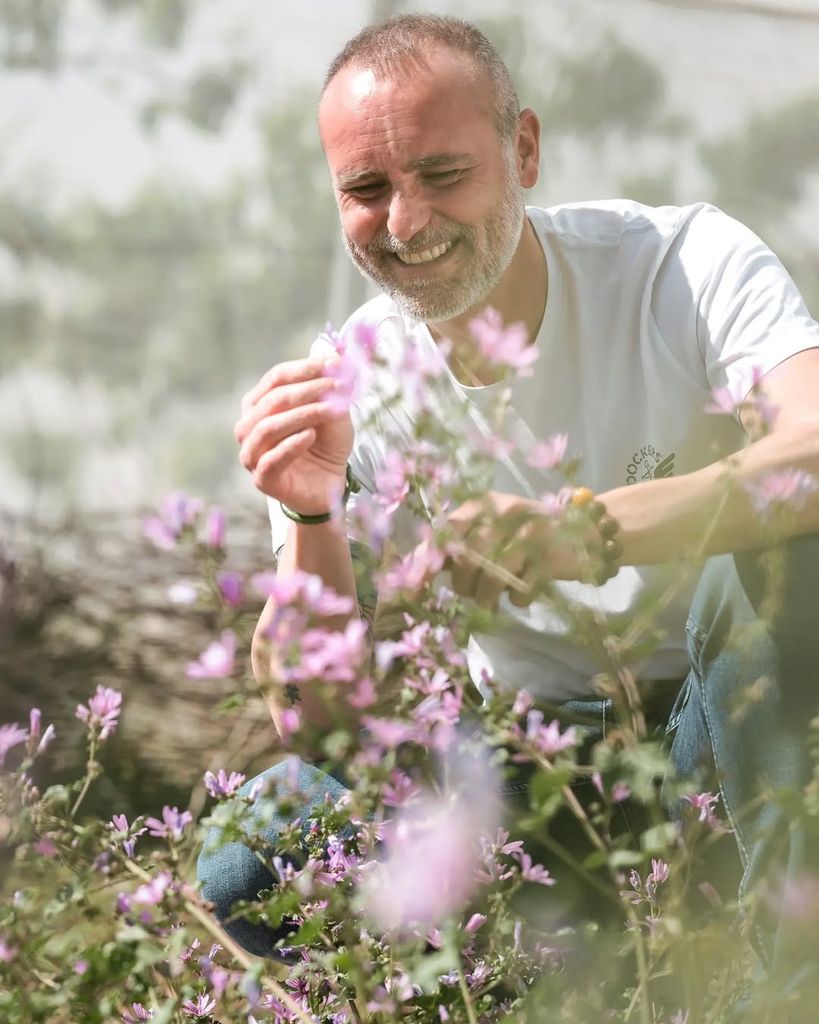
[[520, 295]]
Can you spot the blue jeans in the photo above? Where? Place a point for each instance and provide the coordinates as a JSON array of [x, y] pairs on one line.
[[730, 649]]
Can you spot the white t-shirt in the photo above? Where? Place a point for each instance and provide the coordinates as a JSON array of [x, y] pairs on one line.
[[648, 311]]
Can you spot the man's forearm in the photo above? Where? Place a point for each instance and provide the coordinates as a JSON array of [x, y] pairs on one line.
[[322, 550], [711, 510]]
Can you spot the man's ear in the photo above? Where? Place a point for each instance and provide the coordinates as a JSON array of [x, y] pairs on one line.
[[527, 148]]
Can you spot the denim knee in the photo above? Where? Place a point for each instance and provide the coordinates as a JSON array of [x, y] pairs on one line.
[[231, 871]]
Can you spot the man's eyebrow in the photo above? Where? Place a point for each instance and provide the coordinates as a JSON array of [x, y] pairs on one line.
[[349, 179]]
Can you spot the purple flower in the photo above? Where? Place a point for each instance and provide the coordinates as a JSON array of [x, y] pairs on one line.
[[549, 453], [202, 1007], [102, 711], [216, 661], [222, 784], [34, 719], [119, 823], [46, 738], [504, 346], [331, 655], [172, 825], [788, 486], [10, 735], [393, 481], [523, 702], [45, 846], [215, 528], [230, 587], [390, 732], [8, 951], [138, 1013]]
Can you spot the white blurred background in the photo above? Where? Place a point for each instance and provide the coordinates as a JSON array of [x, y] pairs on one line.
[[167, 229]]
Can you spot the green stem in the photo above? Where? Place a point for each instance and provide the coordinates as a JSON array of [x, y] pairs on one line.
[[91, 772]]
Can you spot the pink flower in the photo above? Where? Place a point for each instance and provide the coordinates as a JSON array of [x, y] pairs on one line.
[[45, 846], [414, 569], [503, 346], [119, 824], [201, 1007], [102, 711], [8, 951], [474, 923], [390, 732], [364, 695], [215, 529], [177, 512], [152, 892], [216, 661], [429, 870], [533, 872], [549, 453], [138, 1013], [392, 482], [80, 967], [331, 655], [352, 370], [554, 504], [222, 784], [523, 701], [10, 735], [788, 486], [704, 803], [620, 791], [723, 403], [548, 739], [172, 825], [230, 587], [659, 872]]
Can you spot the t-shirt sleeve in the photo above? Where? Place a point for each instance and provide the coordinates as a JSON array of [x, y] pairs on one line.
[[722, 285]]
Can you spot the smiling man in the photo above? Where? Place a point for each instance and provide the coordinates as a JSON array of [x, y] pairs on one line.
[[638, 316]]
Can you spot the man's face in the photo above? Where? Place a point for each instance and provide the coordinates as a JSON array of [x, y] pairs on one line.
[[428, 193]]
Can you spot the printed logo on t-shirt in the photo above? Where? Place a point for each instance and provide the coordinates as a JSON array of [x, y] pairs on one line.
[[649, 464]]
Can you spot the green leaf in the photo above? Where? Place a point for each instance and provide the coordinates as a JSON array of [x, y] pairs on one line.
[[659, 838]]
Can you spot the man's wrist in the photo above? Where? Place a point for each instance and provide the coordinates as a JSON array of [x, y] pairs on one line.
[[351, 486]]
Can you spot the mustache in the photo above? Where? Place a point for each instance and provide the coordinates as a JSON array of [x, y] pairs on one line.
[[386, 244]]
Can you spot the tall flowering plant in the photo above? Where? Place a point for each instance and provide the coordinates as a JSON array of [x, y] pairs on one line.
[[437, 883]]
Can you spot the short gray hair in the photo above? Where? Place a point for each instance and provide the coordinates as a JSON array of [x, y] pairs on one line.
[[401, 40]]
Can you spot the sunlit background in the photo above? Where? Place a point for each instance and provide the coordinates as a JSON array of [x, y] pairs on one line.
[[166, 225]]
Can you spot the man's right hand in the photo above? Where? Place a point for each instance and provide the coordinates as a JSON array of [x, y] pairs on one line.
[[293, 442]]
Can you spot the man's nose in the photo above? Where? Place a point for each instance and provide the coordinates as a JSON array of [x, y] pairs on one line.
[[408, 214]]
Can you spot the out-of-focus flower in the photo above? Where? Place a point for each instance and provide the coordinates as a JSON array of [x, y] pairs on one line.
[[216, 661], [392, 482], [8, 950], [414, 569], [136, 1014], [800, 899], [523, 701], [102, 711], [352, 370], [152, 892], [230, 587], [391, 732], [176, 512], [34, 719], [202, 1006], [330, 655], [503, 346], [555, 504], [788, 486], [474, 923], [215, 528], [221, 784], [172, 824], [10, 735], [548, 739], [549, 453], [45, 846]]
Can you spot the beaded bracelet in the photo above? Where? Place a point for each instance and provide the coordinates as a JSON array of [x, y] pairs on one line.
[[607, 526], [351, 486]]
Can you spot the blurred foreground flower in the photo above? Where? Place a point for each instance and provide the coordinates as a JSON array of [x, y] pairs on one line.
[[503, 346], [216, 661], [785, 488]]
